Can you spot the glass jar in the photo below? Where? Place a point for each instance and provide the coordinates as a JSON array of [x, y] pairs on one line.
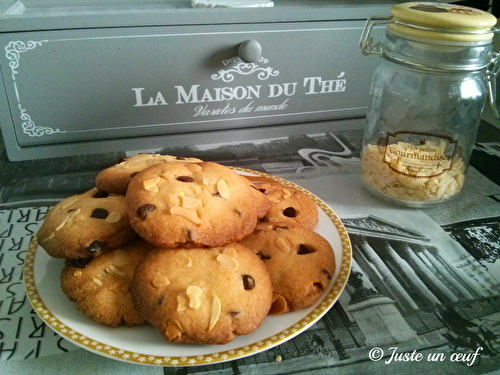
[[426, 100]]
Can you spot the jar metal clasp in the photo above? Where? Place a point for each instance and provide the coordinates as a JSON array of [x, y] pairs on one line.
[[366, 41], [369, 47], [491, 78]]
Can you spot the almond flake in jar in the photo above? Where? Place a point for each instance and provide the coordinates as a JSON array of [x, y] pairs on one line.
[[409, 183]]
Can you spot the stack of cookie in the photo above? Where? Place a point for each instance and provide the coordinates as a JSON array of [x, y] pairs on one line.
[[191, 247]]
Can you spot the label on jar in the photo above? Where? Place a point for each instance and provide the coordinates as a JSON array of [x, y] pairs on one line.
[[420, 155], [414, 167]]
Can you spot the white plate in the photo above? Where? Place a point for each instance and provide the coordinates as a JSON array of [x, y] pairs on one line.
[[144, 345]]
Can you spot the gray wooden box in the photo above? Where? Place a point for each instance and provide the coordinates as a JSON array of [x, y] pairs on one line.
[[87, 78]]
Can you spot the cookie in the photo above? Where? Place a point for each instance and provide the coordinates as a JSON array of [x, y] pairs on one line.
[[203, 295], [115, 179], [83, 225], [289, 205], [301, 263], [193, 204], [101, 286]]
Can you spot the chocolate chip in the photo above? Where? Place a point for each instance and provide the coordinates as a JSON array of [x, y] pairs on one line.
[[290, 212], [94, 247], [160, 301], [318, 285], [304, 249], [248, 282], [100, 213], [143, 211], [328, 276], [263, 256], [234, 313], [132, 175], [180, 158], [80, 263], [100, 194], [185, 179], [263, 191]]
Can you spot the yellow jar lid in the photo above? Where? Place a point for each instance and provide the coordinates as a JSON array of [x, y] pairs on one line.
[[439, 22]]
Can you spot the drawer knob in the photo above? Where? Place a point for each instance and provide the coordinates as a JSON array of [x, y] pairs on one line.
[[250, 51]]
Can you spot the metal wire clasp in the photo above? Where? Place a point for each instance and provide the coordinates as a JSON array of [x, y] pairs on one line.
[[368, 47], [491, 78], [366, 41]]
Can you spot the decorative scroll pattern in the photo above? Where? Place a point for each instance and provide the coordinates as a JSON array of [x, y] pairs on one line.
[[14, 50], [13, 53], [245, 69]]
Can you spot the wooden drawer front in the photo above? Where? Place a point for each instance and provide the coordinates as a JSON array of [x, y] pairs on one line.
[[74, 86]]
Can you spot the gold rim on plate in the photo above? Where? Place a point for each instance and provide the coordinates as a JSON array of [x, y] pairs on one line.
[[95, 342]]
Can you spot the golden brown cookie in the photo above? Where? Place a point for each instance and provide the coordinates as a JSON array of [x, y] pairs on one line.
[[301, 263], [289, 205], [115, 179], [203, 295], [101, 286], [193, 204], [83, 225]]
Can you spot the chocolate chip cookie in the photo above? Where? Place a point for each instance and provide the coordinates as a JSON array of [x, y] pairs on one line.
[[289, 205], [203, 295], [115, 179], [83, 225], [101, 286], [301, 263], [193, 204]]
